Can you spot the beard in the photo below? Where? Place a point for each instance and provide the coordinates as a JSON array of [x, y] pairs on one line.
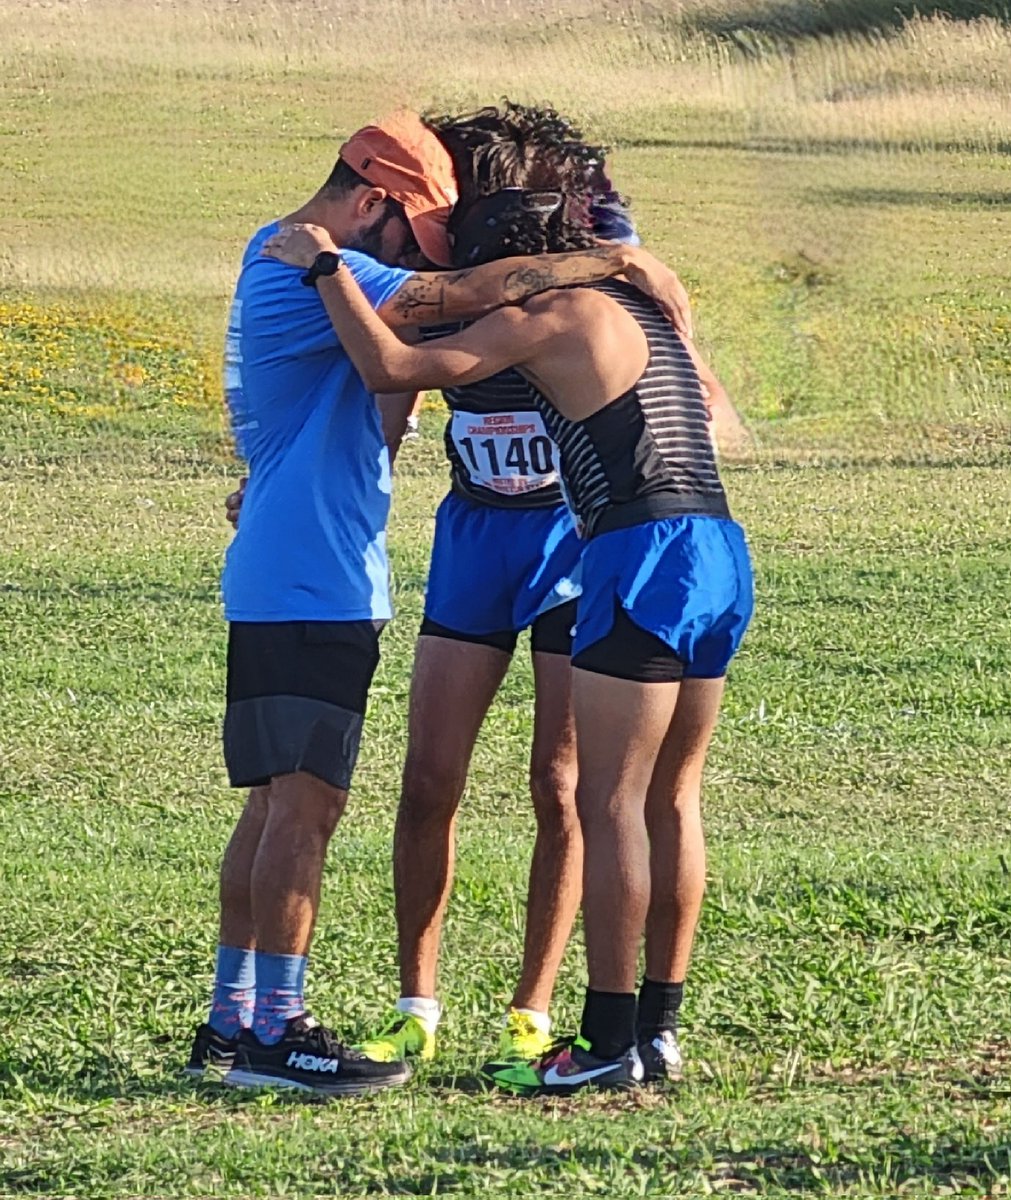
[[370, 241]]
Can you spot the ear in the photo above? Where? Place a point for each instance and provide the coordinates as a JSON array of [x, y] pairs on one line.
[[369, 200]]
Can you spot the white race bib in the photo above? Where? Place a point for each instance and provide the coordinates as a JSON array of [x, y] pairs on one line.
[[508, 453]]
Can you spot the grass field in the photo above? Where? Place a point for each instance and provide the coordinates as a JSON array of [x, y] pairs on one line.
[[840, 204]]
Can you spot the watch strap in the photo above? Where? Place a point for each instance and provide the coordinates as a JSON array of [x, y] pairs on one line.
[[326, 263]]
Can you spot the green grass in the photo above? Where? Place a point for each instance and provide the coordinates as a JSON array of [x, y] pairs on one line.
[[843, 221], [849, 1008]]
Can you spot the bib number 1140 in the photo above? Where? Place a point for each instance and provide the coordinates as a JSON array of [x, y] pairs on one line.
[[525, 456], [506, 452]]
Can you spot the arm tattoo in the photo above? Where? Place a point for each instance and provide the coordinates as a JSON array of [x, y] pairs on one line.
[[417, 301], [528, 281], [553, 272], [435, 298], [423, 301]]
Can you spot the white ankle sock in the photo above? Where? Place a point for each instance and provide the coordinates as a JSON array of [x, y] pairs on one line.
[[421, 1007]]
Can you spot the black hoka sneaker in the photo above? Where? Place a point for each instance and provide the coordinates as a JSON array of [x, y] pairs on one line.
[[661, 1057], [211, 1051], [309, 1058]]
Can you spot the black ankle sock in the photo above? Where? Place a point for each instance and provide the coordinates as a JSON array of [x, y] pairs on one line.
[[658, 1008], [608, 1022]]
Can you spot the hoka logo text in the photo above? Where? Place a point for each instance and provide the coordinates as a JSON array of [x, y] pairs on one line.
[[311, 1062]]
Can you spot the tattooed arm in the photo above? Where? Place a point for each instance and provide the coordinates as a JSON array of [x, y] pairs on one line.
[[429, 298], [385, 361]]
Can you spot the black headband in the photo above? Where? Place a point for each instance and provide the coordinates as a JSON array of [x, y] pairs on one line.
[[481, 227]]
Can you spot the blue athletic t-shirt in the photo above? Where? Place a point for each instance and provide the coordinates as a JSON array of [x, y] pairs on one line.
[[311, 543]]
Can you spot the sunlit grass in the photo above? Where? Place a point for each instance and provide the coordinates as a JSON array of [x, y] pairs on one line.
[[839, 206]]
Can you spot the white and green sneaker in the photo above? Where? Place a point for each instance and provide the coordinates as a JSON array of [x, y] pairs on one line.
[[569, 1066], [403, 1036]]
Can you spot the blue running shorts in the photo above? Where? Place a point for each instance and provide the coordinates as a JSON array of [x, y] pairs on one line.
[[497, 571], [664, 600]]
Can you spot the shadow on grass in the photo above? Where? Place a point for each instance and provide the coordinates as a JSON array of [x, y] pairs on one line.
[[902, 198], [793, 18], [775, 144], [884, 1165]]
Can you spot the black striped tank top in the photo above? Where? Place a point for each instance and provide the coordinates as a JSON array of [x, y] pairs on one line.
[[497, 442], [646, 455]]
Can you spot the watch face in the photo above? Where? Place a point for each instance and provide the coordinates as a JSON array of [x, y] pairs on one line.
[[327, 263]]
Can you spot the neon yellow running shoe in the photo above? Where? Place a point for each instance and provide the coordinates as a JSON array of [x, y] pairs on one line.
[[402, 1036], [521, 1041]]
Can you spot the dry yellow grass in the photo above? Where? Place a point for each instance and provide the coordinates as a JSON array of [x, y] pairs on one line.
[[934, 79], [77, 74], [838, 203]]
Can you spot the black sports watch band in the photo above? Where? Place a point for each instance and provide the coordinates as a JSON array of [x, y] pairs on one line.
[[327, 262]]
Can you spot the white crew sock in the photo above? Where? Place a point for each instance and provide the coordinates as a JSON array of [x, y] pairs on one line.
[[426, 1010], [541, 1020]]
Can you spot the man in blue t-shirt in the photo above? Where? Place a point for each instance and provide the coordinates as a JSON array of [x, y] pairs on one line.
[[305, 580]]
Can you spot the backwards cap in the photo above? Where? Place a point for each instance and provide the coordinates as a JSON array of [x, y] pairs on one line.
[[403, 156]]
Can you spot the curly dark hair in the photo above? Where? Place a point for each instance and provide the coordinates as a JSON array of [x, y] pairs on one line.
[[516, 145]]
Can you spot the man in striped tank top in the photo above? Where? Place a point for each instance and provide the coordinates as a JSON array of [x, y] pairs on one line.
[[667, 596]]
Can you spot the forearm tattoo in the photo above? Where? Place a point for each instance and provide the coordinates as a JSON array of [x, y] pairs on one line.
[[558, 270], [528, 281], [422, 300], [427, 301]]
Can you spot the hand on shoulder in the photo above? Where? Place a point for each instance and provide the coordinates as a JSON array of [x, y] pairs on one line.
[[298, 245]]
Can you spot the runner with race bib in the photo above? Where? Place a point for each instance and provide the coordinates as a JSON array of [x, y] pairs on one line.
[[504, 525], [505, 558]]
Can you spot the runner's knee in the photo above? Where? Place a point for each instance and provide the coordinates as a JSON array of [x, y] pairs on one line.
[[598, 805], [553, 790], [432, 788], [682, 796], [303, 802], [687, 798]]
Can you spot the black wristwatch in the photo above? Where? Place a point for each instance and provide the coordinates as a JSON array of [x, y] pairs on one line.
[[327, 262]]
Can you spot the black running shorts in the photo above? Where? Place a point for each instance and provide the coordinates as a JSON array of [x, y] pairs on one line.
[[550, 633], [296, 698], [629, 652]]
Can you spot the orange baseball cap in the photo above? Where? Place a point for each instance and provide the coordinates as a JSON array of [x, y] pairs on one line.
[[402, 155]]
